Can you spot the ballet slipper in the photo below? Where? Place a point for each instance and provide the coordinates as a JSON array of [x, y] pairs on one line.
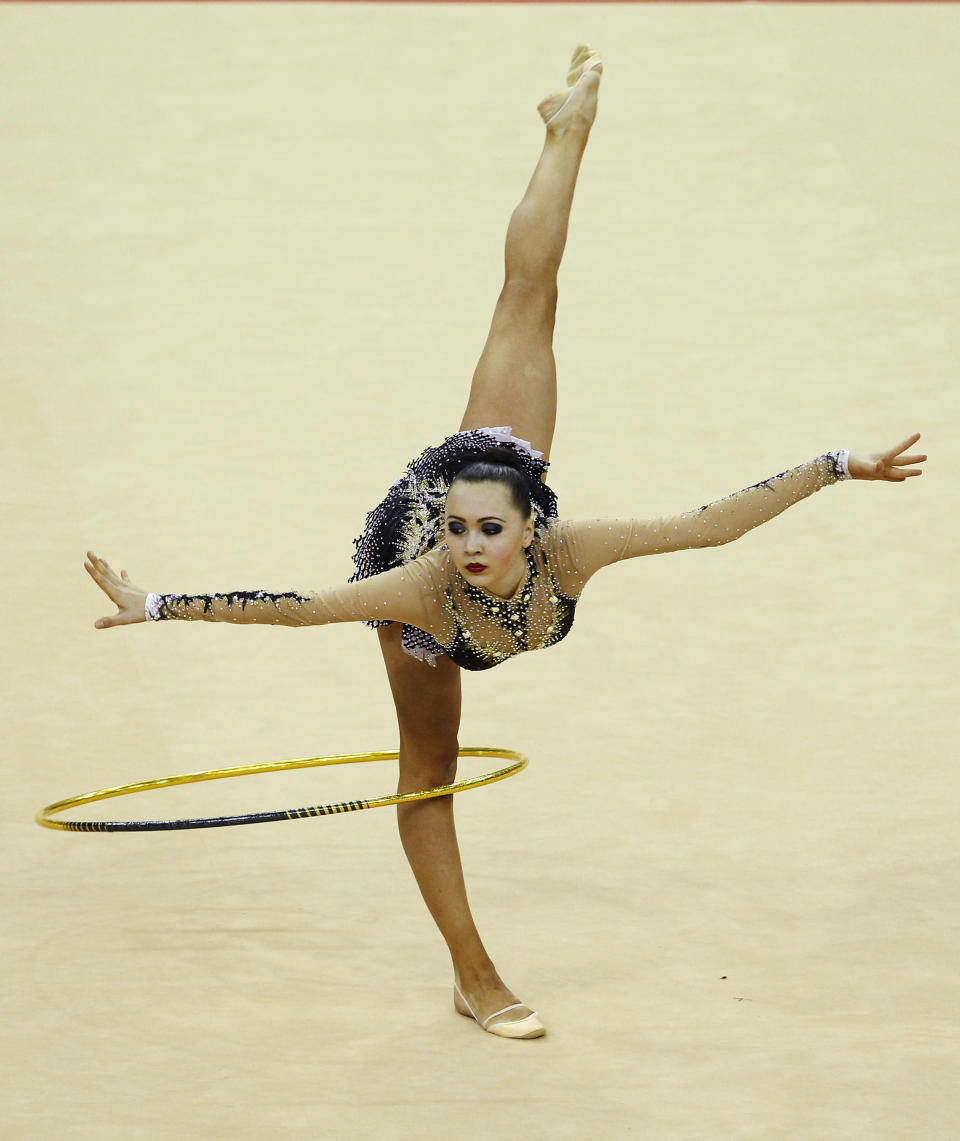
[[578, 62], [584, 59], [529, 1027]]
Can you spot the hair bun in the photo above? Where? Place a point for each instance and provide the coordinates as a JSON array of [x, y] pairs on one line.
[[499, 455]]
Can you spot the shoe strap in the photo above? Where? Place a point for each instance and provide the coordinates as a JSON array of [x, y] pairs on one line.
[[496, 1013], [465, 1003], [491, 1017]]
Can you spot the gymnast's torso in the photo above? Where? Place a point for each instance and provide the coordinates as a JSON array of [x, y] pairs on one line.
[[477, 629]]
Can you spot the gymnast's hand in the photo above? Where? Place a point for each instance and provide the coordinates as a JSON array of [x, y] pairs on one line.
[[130, 599], [886, 465]]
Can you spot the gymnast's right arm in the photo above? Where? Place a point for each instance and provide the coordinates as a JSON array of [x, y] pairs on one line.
[[400, 595]]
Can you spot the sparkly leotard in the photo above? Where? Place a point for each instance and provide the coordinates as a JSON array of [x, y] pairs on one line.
[[409, 520], [477, 629]]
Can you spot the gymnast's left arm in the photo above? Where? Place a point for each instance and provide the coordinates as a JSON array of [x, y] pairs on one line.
[[599, 542]]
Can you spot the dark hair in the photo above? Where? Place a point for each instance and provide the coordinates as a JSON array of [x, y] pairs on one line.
[[499, 465]]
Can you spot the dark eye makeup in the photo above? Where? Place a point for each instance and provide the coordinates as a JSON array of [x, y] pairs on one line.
[[456, 528]]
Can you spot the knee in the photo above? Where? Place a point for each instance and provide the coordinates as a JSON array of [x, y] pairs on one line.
[[427, 764], [530, 295]]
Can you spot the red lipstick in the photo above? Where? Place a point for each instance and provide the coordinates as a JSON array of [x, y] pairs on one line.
[[476, 568]]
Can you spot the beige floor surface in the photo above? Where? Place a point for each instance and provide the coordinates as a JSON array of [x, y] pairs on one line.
[[250, 255]]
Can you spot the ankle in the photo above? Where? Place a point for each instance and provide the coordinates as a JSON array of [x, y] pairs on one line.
[[573, 130], [476, 975]]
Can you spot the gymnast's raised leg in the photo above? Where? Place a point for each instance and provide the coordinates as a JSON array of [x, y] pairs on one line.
[[515, 381], [515, 384]]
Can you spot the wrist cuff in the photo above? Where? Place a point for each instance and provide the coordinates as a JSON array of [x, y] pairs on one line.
[[151, 608], [841, 464]]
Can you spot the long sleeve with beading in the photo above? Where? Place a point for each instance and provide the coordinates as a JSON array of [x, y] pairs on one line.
[[582, 547], [404, 594]]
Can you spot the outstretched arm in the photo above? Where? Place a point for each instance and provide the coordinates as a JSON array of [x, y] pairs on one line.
[[400, 595], [599, 542]]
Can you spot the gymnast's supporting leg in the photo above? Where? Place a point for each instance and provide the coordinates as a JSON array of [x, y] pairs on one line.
[[428, 713], [515, 381], [515, 384]]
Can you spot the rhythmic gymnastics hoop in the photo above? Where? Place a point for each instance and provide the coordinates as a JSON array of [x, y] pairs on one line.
[[44, 815]]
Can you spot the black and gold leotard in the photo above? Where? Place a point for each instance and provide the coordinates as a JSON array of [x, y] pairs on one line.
[[478, 629]]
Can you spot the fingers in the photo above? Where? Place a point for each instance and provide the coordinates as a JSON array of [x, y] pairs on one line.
[[890, 464], [94, 574], [113, 620], [99, 570], [908, 443], [898, 461], [94, 568]]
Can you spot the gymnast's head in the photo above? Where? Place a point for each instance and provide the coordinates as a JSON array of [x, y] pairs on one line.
[[489, 520]]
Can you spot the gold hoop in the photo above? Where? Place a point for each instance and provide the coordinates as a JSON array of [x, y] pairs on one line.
[[44, 815]]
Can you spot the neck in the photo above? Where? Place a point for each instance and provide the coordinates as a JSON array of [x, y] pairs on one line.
[[515, 579]]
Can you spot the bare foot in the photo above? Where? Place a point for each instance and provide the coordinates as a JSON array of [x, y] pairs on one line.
[[577, 105]]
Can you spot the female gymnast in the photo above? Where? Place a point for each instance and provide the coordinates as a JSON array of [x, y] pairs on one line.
[[465, 563]]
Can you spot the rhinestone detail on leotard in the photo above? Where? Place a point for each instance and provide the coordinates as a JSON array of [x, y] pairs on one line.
[[489, 629], [478, 629]]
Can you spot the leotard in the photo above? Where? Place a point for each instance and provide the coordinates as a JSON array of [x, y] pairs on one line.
[[477, 629]]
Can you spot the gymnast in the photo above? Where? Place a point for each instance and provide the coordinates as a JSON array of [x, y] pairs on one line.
[[465, 562]]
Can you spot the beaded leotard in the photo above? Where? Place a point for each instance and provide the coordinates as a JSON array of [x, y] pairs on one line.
[[477, 629], [409, 520], [488, 629]]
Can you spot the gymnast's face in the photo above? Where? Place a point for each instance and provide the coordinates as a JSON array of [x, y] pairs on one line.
[[487, 535]]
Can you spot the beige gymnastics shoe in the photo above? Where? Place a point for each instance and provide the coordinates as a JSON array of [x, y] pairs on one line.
[[529, 1027], [584, 58], [585, 61]]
